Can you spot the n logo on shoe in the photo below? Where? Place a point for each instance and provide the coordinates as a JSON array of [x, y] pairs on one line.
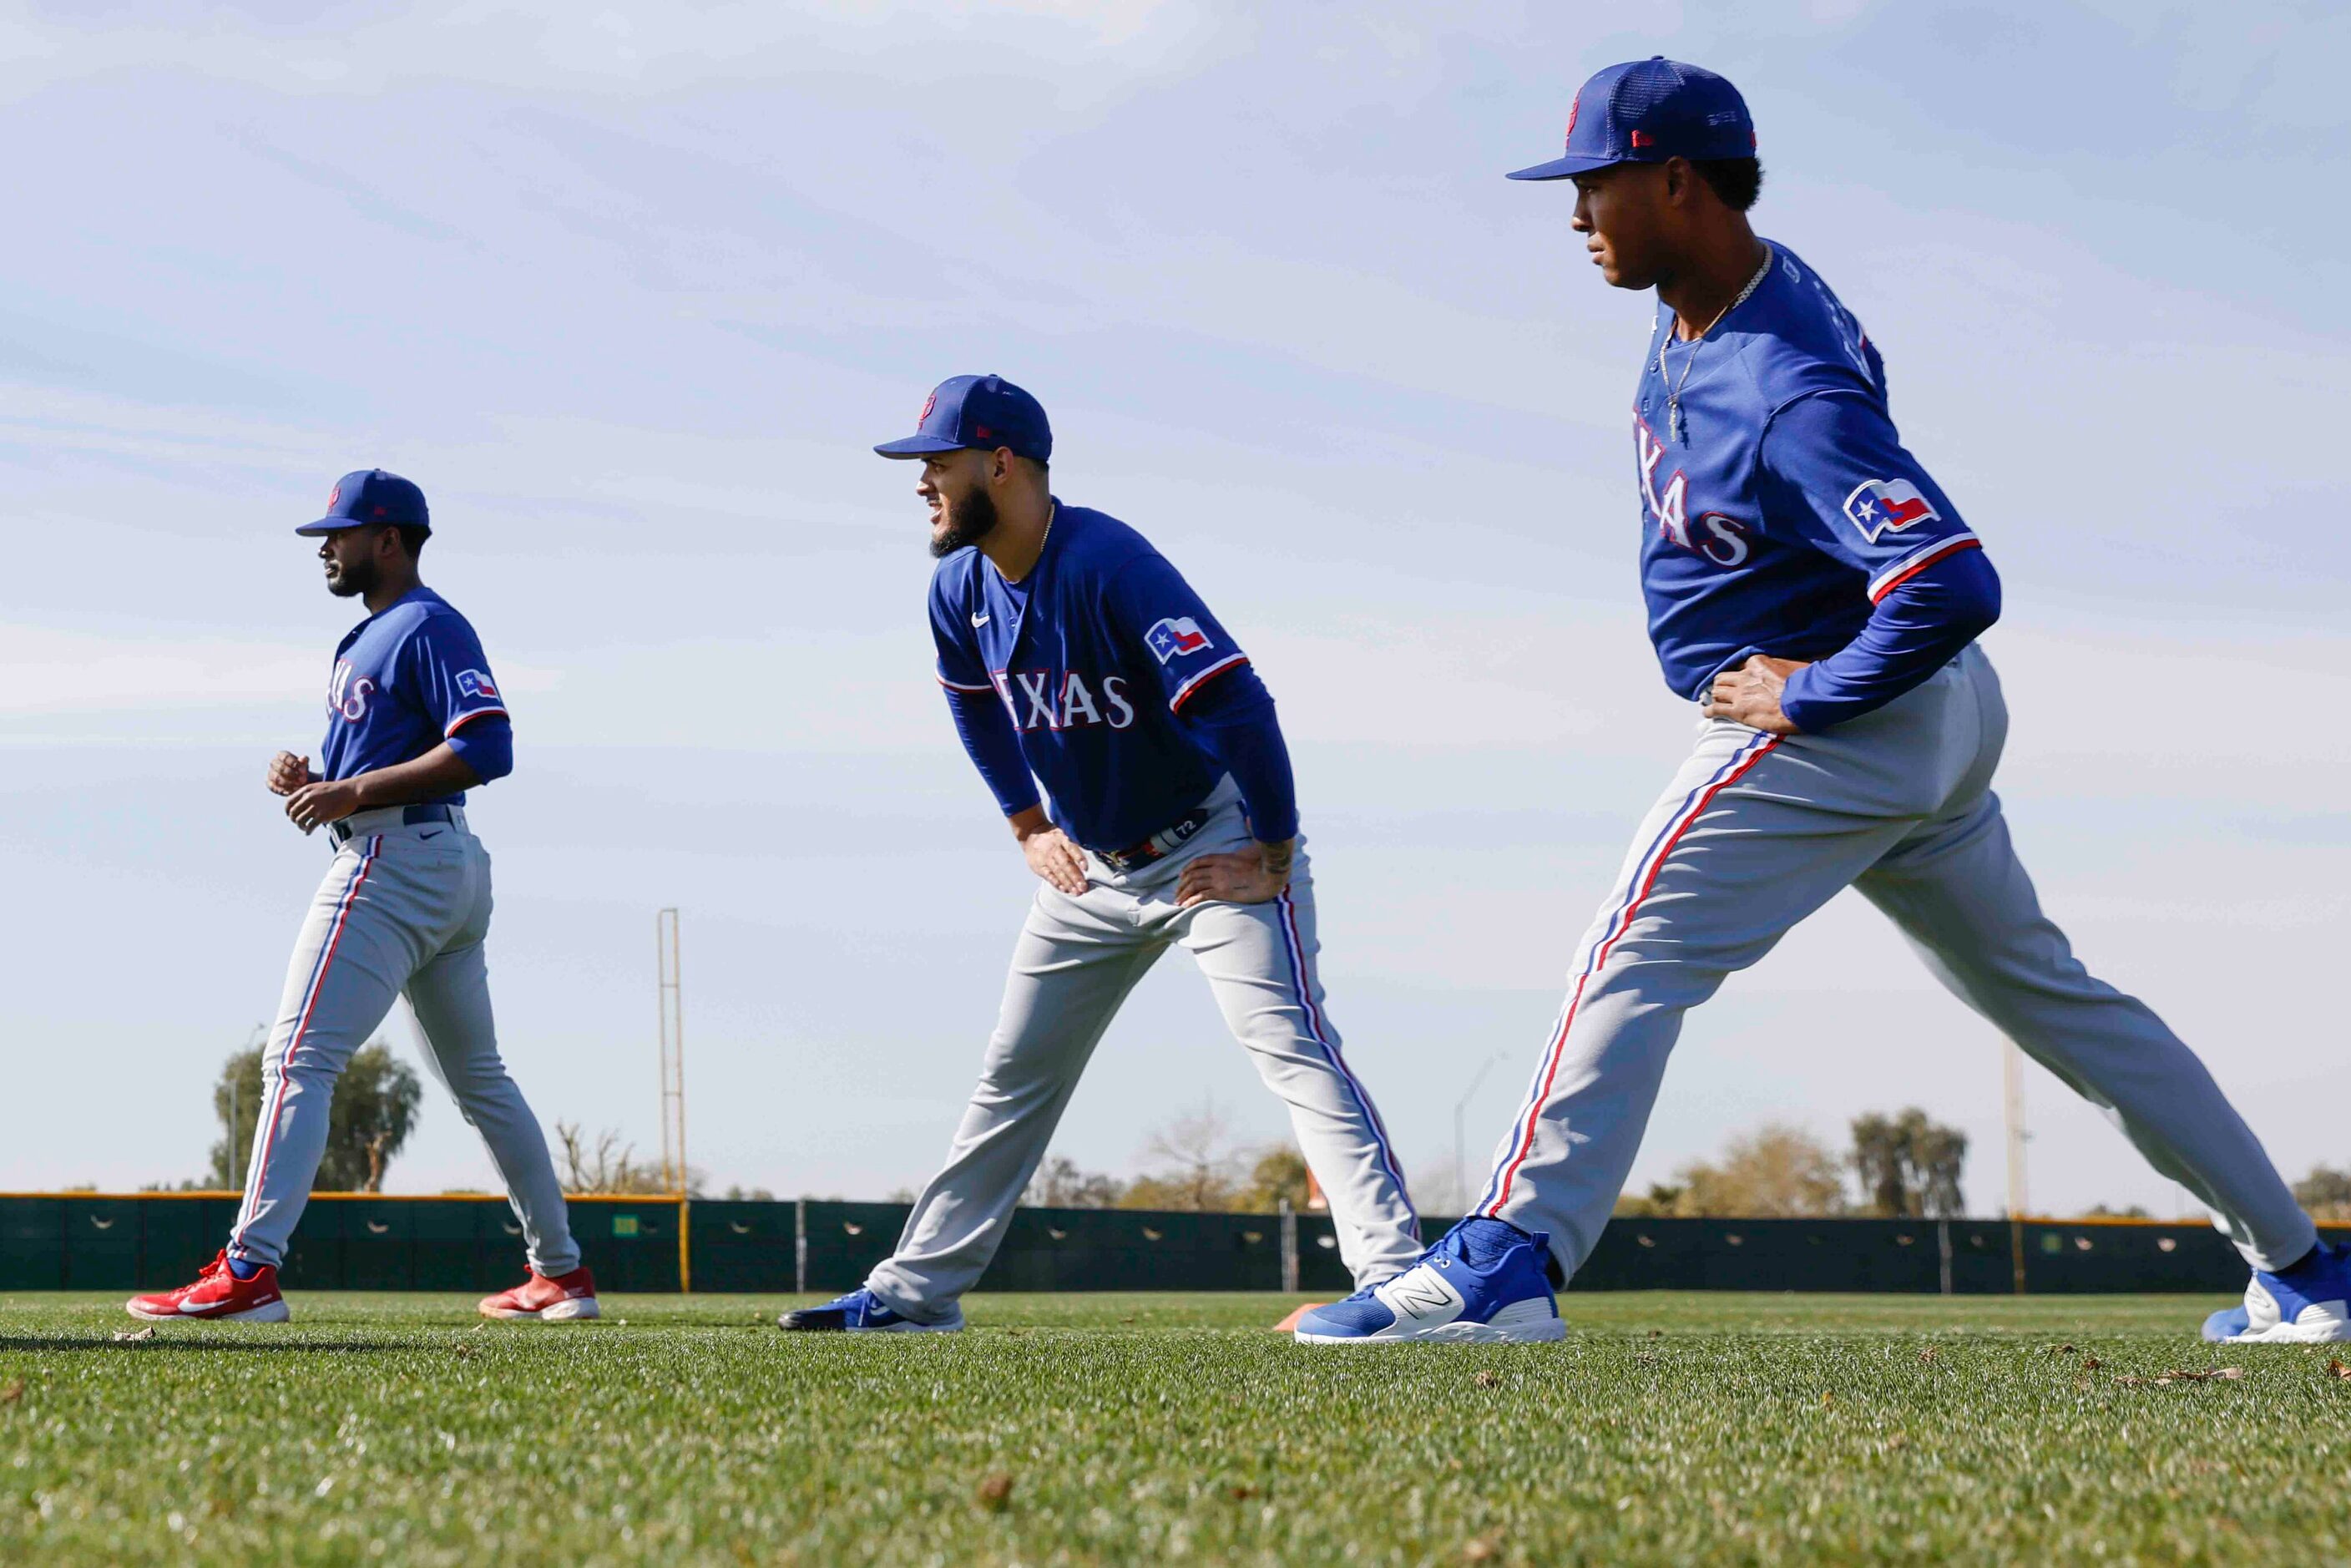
[[1422, 1295]]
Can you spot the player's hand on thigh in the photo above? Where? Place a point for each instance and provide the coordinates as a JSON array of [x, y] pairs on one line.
[[1052, 856], [288, 773], [1240, 878], [1749, 695]]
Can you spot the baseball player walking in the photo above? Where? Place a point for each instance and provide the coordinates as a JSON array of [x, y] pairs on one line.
[[1074, 656], [1817, 594], [414, 720]]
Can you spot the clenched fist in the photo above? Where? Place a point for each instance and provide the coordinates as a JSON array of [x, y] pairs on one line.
[[288, 773], [319, 801]]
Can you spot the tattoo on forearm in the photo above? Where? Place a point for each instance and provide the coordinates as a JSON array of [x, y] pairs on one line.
[[1278, 858]]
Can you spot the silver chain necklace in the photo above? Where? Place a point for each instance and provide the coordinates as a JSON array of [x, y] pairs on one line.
[[1677, 425], [1052, 510]]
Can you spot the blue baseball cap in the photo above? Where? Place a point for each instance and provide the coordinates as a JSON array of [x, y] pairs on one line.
[[1646, 111], [982, 411], [370, 495]]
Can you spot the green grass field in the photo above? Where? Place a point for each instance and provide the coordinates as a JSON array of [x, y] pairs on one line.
[[1667, 1428]]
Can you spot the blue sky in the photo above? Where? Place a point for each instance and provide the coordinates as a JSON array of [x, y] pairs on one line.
[[631, 290]]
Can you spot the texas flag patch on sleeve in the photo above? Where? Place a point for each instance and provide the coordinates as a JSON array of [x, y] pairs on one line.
[[476, 685], [1887, 507], [1175, 637]]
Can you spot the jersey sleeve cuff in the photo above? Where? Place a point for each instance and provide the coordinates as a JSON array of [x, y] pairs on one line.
[[1917, 561], [462, 719], [1175, 703], [960, 686]]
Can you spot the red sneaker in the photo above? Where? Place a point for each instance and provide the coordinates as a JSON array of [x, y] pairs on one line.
[[561, 1299], [219, 1295]]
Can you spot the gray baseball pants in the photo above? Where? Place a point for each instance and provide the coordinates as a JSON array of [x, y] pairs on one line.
[[402, 910], [1756, 833], [1075, 962]]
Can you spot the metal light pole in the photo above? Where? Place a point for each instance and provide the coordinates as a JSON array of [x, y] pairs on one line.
[[670, 988], [2012, 1081], [672, 998], [1460, 1133]]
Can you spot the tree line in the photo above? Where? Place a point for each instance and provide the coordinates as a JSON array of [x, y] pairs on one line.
[[1902, 1166], [1196, 1167], [1906, 1165]]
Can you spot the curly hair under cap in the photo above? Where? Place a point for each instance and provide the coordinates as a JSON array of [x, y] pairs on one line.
[[1737, 181]]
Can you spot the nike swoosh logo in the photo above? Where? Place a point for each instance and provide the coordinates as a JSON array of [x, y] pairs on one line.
[[979, 621], [434, 834]]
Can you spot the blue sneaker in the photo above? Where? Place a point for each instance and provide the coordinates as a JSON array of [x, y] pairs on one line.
[[1482, 1283], [2309, 1303], [863, 1311]]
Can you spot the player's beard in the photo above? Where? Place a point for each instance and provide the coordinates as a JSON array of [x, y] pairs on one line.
[[969, 520], [351, 579]]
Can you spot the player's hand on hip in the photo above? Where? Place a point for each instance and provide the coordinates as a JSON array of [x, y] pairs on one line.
[[1248, 876], [1749, 695], [1052, 856], [320, 801], [288, 773]]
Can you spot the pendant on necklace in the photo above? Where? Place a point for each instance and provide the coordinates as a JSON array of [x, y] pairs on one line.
[[1676, 425]]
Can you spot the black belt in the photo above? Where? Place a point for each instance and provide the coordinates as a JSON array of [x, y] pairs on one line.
[[1158, 846], [410, 817]]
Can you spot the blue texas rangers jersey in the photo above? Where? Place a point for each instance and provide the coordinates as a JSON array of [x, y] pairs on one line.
[[1094, 653], [403, 681], [1781, 506]]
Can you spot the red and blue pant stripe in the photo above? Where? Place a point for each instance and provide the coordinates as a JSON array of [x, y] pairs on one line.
[[1302, 984], [1637, 887], [320, 968]]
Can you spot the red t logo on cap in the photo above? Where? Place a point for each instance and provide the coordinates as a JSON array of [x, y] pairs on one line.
[[928, 404]]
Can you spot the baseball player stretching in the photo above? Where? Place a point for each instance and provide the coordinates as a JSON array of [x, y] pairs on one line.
[[1816, 593], [1072, 653], [414, 720]]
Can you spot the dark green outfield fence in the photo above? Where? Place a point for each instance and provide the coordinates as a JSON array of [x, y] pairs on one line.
[[74, 1242]]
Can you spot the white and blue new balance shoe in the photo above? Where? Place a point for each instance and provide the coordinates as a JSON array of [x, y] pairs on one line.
[[2227, 1324], [1482, 1283], [2309, 1303], [863, 1311]]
